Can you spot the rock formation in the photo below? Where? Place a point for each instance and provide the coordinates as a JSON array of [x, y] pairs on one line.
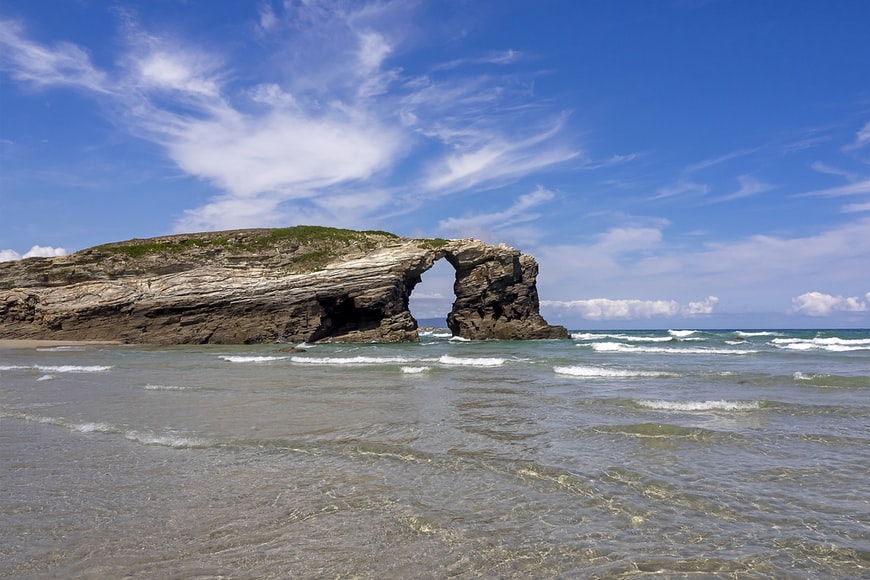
[[256, 286]]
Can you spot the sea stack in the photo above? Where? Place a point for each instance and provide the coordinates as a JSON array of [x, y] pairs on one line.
[[303, 283]]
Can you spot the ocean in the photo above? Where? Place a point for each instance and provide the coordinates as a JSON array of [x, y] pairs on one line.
[[675, 454]]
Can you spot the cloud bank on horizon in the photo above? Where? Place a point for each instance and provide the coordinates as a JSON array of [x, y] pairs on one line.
[[684, 163]]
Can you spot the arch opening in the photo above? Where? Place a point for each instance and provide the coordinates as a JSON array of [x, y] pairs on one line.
[[432, 298]]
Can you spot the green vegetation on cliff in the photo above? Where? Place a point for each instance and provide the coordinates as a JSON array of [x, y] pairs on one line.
[[298, 248]]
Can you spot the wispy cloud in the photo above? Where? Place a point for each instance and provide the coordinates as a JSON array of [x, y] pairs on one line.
[[748, 186], [695, 167], [503, 57], [681, 187], [499, 159], [519, 212], [843, 190], [831, 170], [862, 138], [43, 66], [318, 131]]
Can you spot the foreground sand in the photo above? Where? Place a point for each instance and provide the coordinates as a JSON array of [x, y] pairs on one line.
[[30, 343]]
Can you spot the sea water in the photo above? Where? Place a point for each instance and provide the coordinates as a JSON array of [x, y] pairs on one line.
[[667, 453]]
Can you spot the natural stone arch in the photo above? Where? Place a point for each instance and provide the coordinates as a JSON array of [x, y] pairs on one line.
[[257, 286]]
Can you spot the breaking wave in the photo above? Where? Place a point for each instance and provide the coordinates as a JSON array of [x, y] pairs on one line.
[[470, 362], [414, 370], [832, 344], [58, 369], [350, 360], [621, 347], [251, 359], [167, 439], [628, 337], [169, 388], [599, 372], [701, 405]]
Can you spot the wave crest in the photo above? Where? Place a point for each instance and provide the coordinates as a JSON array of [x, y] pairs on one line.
[[701, 405], [601, 372]]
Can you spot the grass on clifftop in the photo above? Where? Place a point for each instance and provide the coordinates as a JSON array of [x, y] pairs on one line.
[[243, 240], [304, 248]]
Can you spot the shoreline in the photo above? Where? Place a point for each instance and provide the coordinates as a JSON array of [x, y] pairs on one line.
[[26, 343]]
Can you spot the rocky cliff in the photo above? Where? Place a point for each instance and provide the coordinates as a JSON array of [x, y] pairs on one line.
[[255, 286]]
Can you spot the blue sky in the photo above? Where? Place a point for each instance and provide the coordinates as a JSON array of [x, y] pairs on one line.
[[672, 163]]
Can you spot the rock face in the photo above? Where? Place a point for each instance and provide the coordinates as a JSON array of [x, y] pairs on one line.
[[257, 286]]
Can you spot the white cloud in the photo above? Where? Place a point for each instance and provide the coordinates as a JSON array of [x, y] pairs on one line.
[[43, 66], [850, 189], [327, 122], [750, 270], [680, 187], [700, 308], [268, 19], [9, 255], [176, 71], [820, 304], [831, 170], [282, 152], [628, 239], [34, 252], [517, 213], [498, 159], [719, 160], [748, 186], [862, 138], [856, 207], [611, 309], [373, 50]]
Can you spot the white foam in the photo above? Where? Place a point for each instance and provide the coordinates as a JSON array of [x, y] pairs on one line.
[[168, 388], [470, 362], [701, 405], [58, 369], [459, 339], [832, 344], [350, 360], [436, 333], [599, 372], [414, 370], [46, 378], [627, 337], [620, 347], [681, 333], [760, 333], [72, 368], [90, 427], [62, 348], [167, 440], [251, 359]]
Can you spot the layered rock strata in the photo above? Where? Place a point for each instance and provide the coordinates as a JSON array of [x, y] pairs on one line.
[[258, 286]]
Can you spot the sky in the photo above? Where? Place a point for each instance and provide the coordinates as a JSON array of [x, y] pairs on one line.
[[678, 163]]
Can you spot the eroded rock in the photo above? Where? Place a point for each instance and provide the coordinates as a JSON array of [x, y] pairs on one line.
[[259, 286]]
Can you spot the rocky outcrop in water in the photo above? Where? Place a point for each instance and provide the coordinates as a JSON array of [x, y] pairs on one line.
[[258, 286]]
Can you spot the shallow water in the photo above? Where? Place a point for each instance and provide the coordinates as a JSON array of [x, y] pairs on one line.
[[611, 454]]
